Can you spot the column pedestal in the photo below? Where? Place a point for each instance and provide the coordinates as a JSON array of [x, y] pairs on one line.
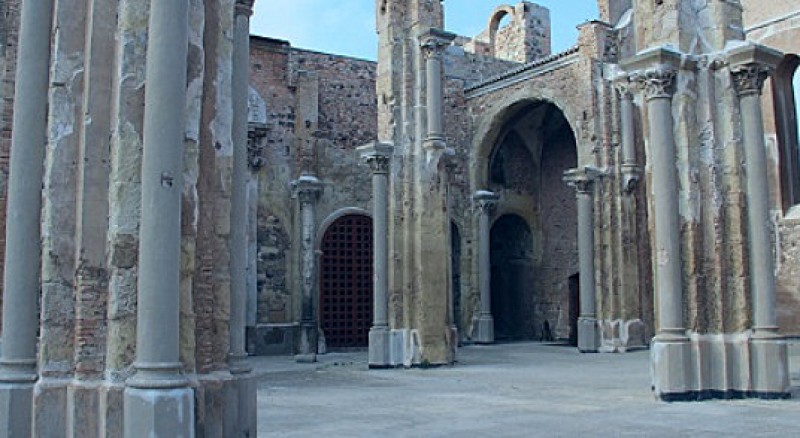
[[484, 329], [769, 358], [159, 412], [671, 362], [379, 348]]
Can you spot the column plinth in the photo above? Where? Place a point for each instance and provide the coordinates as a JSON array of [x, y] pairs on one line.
[[378, 157], [485, 202]]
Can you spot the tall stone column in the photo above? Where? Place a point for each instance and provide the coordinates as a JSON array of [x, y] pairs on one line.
[[485, 202], [588, 329], [308, 189], [158, 400], [23, 252], [378, 156], [751, 66], [239, 220], [433, 44], [670, 348]]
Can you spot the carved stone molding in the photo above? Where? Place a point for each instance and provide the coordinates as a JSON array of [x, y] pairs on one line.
[[583, 179], [307, 189], [255, 146], [378, 156], [485, 202], [750, 78], [434, 42], [379, 164], [658, 82]]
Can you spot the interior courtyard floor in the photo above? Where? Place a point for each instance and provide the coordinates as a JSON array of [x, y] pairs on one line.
[[505, 390]]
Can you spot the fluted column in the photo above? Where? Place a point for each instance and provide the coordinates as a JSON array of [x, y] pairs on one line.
[[485, 202], [23, 252], [751, 66], [588, 330], [378, 157], [158, 401], [308, 190], [239, 220], [433, 44]]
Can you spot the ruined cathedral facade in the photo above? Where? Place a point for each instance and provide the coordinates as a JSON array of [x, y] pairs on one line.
[[166, 215]]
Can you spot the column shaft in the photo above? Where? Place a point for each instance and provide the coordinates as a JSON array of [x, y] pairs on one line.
[[762, 270], [239, 220], [628, 133], [23, 252], [162, 183], [433, 68], [586, 255], [308, 215], [665, 198], [485, 263], [381, 249]]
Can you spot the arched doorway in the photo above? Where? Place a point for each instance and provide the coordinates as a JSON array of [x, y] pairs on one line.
[[512, 278], [346, 282], [533, 145]]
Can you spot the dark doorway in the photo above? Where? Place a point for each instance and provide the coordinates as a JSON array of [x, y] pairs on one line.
[[574, 308], [346, 282], [512, 279]]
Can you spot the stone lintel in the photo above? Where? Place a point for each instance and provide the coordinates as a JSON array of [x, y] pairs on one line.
[[748, 54], [663, 56]]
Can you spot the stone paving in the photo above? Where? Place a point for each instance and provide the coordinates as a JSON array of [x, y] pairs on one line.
[[509, 390]]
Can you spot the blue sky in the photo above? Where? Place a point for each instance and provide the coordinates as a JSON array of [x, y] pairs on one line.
[[348, 28]]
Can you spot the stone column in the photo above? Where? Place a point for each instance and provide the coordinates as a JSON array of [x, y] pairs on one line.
[[308, 189], [433, 44], [588, 330], [630, 170], [751, 66], [485, 202], [670, 349], [23, 252], [158, 400], [239, 220], [378, 157]]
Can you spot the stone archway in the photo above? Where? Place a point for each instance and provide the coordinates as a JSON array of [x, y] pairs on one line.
[[346, 283]]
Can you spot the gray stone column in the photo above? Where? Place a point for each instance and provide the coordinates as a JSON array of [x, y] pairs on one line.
[[378, 157], [670, 348], [23, 252], [158, 400], [588, 329], [308, 189], [751, 66], [485, 202], [239, 220], [433, 44], [630, 170]]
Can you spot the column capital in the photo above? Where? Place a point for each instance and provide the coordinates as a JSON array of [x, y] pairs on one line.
[[751, 65], [657, 82], [485, 201], [655, 70], [307, 189], [583, 178], [244, 7], [434, 41], [626, 87], [377, 156], [749, 78]]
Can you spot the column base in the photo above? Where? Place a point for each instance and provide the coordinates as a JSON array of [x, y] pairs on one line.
[[248, 405], [769, 359], [621, 336], [379, 348], [671, 367], [307, 345], [16, 409], [588, 335], [159, 412], [484, 329]]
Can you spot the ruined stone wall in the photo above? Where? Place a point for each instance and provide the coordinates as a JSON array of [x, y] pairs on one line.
[[320, 107]]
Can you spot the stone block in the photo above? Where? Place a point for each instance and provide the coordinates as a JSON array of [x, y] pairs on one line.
[[770, 364], [379, 348], [588, 335], [671, 369], [484, 329], [16, 403], [248, 406], [159, 412], [83, 414], [50, 407]]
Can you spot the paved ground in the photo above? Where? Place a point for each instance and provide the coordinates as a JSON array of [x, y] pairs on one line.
[[512, 390]]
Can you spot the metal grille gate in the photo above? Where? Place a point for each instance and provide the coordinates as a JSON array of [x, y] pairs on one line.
[[346, 282]]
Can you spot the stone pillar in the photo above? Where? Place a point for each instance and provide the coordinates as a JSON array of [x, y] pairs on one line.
[[670, 349], [433, 44], [630, 170], [239, 222], [378, 156], [485, 202], [158, 400], [308, 189], [751, 66], [23, 252], [588, 329]]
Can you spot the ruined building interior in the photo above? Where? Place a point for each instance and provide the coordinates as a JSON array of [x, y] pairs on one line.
[[638, 190]]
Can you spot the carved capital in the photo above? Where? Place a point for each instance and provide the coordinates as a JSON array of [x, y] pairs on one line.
[[378, 156], [255, 147], [626, 87], [307, 189], [434, 42], [658, 82], [244, 7], [485, 202], [583, 179], [750, 78]]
